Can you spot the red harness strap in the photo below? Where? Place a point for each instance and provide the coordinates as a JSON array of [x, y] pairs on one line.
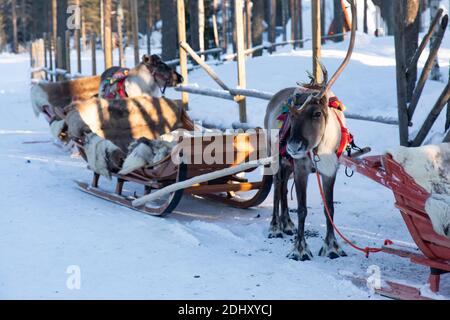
[[346, 137]]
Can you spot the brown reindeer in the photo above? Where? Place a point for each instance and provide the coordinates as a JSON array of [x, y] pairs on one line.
[[314, 139]]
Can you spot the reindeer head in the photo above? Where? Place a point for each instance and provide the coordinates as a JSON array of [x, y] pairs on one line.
[[309, 122], [164, 75]]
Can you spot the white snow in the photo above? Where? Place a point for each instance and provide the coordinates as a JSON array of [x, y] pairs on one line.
[[204, 249]]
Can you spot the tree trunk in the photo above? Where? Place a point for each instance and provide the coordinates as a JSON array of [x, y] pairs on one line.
[[338, 21], [412, 24], [435, 72], [14, 26], [61, 30], [387, 13], [300, 21], [366, 29], [273, 23], [119, 22], [258, 25], [224, 25], [194, 24], [169, 29]]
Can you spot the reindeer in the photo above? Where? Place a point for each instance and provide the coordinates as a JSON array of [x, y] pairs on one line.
[[150, 77], [314, 138]]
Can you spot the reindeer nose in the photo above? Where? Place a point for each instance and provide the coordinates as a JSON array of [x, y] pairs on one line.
[[180, 78]]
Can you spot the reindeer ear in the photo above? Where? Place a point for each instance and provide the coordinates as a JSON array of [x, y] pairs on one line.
[[146, 59]]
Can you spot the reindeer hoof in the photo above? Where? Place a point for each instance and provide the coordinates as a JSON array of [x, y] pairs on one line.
[[332, 251], [305, 255], [275, 233], [289, 229]]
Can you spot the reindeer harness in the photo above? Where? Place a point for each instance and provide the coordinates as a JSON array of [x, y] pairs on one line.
[[114, 86], [346, 143]]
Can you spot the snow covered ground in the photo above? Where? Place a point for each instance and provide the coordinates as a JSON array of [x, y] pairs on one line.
[[204, 249]]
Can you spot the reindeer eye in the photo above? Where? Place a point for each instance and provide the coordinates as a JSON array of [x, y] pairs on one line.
[[317, 114]]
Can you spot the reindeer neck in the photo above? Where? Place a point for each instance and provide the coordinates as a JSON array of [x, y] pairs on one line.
[[141, 82]]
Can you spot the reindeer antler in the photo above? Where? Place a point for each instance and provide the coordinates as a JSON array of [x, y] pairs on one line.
[[344, 63]]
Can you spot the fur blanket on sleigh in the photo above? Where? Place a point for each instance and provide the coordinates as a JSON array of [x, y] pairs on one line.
[[430, 167]]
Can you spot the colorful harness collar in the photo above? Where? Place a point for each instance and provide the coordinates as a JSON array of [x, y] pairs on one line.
[[114, 86], [333, 103]]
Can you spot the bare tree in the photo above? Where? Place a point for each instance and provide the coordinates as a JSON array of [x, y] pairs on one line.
[[14, 26], [169, 29], [258, 25], [411, 29], [61, 30], [435, 72], [338, 21]]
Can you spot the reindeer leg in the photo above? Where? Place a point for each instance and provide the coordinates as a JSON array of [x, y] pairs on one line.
[[301, 251], [287, 226], [275, 225], [331, 248]]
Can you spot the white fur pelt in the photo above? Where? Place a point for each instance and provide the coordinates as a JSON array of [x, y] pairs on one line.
[[56, 128], [144, 152], [98, 151], [39, 98], [428, 165], [438, 209]]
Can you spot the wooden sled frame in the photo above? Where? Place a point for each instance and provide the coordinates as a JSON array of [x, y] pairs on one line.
[[410, 200]]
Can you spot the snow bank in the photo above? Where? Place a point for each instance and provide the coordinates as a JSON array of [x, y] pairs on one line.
[[430, 167]]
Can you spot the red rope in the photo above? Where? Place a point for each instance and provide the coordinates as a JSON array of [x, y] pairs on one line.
[[366, 250]]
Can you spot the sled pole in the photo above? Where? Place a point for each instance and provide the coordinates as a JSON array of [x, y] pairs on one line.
[[200, 179]]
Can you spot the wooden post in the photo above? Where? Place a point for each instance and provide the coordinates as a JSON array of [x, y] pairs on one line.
[[427, 67], [224, 25], [135, 29], [50, 54], [183, 55], [83, 29], [67, 48], [248, 24], [201, 26], [300, 22], [401, 73], [46, 50], [186, 47], [149, 27], [77, 40], [240, 46], [59, 55], [316, 41], [93, 53], [78, 47], [54, 23], [119, 15], [432, 116], [102, 23], [107, 41], [215, 26]]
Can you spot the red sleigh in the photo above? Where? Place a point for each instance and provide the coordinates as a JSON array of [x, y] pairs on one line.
[[410, 199]]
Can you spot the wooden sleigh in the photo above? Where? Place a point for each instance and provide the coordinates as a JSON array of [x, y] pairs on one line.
[[410, 199], [232, 189]]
